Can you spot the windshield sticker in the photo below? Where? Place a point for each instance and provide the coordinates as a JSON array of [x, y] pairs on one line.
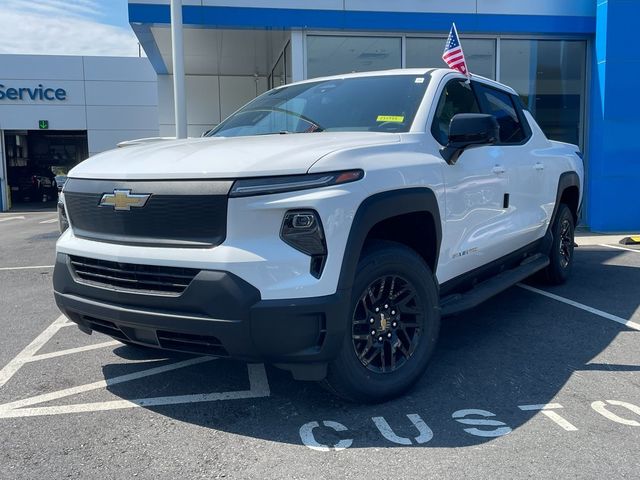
[[390, 118], [420, 80]]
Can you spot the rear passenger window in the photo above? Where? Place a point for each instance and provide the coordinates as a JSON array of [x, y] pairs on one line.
[[500, 105], [457, 97]]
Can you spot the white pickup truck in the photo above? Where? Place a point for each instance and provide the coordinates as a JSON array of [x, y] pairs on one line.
[[324, 228]]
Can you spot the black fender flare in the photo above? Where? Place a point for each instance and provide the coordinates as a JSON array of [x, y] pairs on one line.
[[379, 207], [566, 180]]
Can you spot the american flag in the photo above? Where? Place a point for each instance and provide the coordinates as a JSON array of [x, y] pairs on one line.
[[453, 54]]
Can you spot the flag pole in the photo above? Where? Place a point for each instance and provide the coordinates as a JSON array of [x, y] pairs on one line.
[[455, 29]]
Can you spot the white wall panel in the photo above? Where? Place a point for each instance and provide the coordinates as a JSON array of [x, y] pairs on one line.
[[235, 92], [133, 69], [40, 67], [122, 93], [26, 117], [203, 99], [165, 99], [209, 100], [121, 118]]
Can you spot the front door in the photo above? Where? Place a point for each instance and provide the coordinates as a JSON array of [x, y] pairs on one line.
[[475, 220]]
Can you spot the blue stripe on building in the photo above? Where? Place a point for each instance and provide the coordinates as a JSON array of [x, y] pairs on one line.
[[268, 18]]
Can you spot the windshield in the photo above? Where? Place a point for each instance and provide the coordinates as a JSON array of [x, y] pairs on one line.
[[363, 104]]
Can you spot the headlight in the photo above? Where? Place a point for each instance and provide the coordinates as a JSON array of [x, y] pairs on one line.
[[63, 221], [270, 185], [302, 230]]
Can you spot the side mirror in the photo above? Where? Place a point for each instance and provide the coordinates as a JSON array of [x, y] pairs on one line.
[[467, 130]]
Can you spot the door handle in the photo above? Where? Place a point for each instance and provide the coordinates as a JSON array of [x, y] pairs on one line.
[[498, 169], [539, 166]]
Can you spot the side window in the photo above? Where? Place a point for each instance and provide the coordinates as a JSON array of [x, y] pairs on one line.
[[457, 97], [500, 105]]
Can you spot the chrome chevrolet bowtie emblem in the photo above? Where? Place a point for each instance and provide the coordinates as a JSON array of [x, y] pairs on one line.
[[123, 200]]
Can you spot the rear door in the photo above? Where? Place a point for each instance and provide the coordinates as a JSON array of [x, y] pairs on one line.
[[524, 201]]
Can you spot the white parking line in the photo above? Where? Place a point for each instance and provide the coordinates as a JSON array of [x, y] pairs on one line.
[[595, 311], [619, 248], [69, 351], [258, 382], [6, 219], [258, 387], [26, 268], [30, 350], [53, 220], [67, 392]]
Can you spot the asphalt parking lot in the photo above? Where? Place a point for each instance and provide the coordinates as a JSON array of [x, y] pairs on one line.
[[537, 383]]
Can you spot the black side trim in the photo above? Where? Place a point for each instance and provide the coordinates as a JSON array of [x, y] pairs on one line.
[[470, 279], [487, 289], [380, 207]]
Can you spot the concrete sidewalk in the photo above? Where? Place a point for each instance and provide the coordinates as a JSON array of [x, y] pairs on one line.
[[586, 237]]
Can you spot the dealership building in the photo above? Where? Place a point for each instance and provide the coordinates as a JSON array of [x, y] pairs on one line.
[[573, 62], [55, 111]]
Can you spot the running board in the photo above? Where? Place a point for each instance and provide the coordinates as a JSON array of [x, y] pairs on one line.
[[460, 302]]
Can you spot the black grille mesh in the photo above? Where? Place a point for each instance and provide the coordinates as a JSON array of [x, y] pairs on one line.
[[177, 214], [128, 277]]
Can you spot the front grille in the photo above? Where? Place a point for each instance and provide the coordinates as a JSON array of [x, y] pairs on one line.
[[129, 277], [177, 213]]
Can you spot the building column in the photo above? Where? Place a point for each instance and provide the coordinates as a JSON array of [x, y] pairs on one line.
[[297, 55], [614, 151], [4, 181]]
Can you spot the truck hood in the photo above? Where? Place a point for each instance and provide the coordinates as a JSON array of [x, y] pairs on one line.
[[224, 157]]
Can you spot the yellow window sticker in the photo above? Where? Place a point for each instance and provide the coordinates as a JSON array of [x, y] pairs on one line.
[[390, 118]]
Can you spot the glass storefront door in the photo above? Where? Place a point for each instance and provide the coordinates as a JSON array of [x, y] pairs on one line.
[[480, 54], [333, 55], [550, 76]]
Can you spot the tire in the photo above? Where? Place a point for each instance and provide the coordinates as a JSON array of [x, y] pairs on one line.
[[406, 330], [561, 255]]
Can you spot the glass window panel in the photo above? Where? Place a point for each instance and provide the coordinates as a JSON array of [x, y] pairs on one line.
[[549, 75], [457, 97], [501, 106], [278, 73], [479, 52], [333, 55]]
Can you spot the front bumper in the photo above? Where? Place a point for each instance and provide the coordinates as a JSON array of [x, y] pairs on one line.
[[217, 314]]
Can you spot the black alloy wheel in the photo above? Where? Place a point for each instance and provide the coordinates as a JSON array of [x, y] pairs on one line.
[[387, 324], [391, 327], [561, 255], [566, 243]]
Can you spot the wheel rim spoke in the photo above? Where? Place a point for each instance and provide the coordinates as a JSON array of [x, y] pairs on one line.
[[566, 243], [387, 323]]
